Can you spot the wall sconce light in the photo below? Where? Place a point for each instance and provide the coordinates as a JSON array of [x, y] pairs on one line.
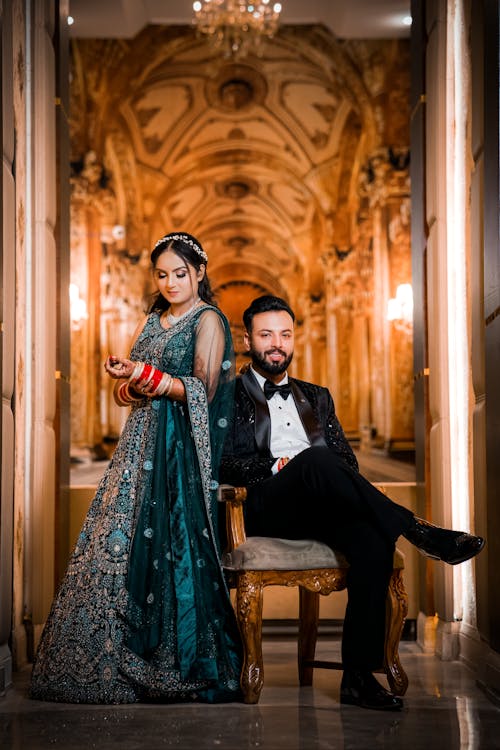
[[400, 307], [77, 306]]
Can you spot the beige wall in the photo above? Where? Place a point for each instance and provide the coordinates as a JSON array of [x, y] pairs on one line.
[[31, 280]]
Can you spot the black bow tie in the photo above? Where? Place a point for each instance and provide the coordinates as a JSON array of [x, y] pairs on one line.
[[271, 388]]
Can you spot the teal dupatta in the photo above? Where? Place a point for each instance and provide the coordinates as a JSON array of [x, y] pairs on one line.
[[183, 637]]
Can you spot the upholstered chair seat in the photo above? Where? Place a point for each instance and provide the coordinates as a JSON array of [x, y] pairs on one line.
[[269, 553]]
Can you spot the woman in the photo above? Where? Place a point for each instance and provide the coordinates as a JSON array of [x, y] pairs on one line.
[[143, 611]]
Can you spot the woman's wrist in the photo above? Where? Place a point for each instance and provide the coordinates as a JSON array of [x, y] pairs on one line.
[[152, 382], [125, 394]]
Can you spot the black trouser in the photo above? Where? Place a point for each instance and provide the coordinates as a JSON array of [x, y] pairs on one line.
[[318, 496]]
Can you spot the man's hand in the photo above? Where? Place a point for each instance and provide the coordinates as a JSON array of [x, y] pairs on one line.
[[282, 462]]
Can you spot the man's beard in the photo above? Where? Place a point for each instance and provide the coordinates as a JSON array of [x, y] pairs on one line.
[[272, 368]]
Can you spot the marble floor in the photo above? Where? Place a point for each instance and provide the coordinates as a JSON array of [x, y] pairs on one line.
[[444, 710], [444, 707]]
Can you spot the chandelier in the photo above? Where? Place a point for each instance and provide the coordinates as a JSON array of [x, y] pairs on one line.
[[236, 26]]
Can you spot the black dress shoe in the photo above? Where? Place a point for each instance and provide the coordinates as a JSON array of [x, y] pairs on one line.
[[451, 547], [360, 688]]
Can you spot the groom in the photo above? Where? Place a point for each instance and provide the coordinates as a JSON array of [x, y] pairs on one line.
[[288, 448]]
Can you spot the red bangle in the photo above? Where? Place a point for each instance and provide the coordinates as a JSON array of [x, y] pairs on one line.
[[155, 380], [144, 375]]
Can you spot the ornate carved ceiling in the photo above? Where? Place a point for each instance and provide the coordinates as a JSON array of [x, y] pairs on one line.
[[260, 159]]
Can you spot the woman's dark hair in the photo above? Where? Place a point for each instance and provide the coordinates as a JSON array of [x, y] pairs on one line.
[[191, 252], [266, 303]]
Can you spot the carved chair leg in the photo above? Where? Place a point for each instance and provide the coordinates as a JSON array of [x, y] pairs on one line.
[[308, 632], [396, 611], [249, 615]]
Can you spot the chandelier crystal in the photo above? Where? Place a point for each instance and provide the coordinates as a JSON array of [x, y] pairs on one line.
[[236, 27]]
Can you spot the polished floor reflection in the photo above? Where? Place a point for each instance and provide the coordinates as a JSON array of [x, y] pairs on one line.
[[444, 709]]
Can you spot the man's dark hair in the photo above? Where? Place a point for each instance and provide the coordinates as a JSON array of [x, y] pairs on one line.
[[266, 303]]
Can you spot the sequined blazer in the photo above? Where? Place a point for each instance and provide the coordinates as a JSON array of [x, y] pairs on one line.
[[247, 457]]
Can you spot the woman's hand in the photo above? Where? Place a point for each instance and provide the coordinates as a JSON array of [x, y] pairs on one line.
[[116, 367]]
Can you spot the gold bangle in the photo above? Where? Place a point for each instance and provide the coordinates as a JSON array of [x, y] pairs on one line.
[[123, 395]]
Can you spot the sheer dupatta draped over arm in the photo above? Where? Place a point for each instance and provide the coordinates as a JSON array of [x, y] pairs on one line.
[[209, 351]]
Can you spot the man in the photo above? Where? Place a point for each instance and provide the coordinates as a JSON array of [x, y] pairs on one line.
[[288, 448]]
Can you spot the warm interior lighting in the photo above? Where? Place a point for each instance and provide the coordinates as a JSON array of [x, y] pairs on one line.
[[77, 306], [406, 20], [71, 20], [400, 307], [236, 27]]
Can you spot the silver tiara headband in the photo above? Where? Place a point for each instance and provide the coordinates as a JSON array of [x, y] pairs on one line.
[[186, 240]]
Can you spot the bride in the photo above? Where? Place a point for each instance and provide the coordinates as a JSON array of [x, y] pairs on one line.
[[143, 612]]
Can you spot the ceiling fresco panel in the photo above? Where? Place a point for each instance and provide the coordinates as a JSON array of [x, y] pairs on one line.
[[153, 118], [313, 107]]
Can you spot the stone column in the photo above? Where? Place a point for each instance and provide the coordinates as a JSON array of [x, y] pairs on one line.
[[392, 360], [43, 318], [362, 368], [7, 340], [79, 322], [94, 363], [63, 351], [380, 384], [91, 207], [329, 260], [307, 372]]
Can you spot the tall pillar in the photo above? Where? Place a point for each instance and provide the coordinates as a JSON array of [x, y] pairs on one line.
[[92, 211], [422, 420], [41, 237], [380, 355], [307, 341], [392, 356], [329, 260], [487, 509], [362, 369], [7, 341], [449, 186], [63, 355]]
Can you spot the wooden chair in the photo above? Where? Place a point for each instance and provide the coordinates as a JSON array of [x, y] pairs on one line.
[[255, 562]]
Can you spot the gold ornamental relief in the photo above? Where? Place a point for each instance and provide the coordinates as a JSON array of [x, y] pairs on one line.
[[315, 109], [154, 114]]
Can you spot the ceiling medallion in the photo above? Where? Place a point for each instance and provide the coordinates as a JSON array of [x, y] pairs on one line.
[[238, 243], [236, 27], [236, 188], [236, 88], [236, 93]]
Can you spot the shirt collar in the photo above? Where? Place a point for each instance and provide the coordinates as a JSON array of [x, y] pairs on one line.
[[261, 379]]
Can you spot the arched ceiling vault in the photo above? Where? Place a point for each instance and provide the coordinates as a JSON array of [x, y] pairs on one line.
[[260, 159]]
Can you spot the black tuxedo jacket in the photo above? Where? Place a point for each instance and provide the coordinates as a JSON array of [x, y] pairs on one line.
[[247, 457]]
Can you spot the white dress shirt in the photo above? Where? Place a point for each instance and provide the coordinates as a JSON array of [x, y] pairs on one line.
[[288, 437]]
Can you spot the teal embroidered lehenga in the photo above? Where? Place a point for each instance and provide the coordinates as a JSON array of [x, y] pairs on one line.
[[143, 612]]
